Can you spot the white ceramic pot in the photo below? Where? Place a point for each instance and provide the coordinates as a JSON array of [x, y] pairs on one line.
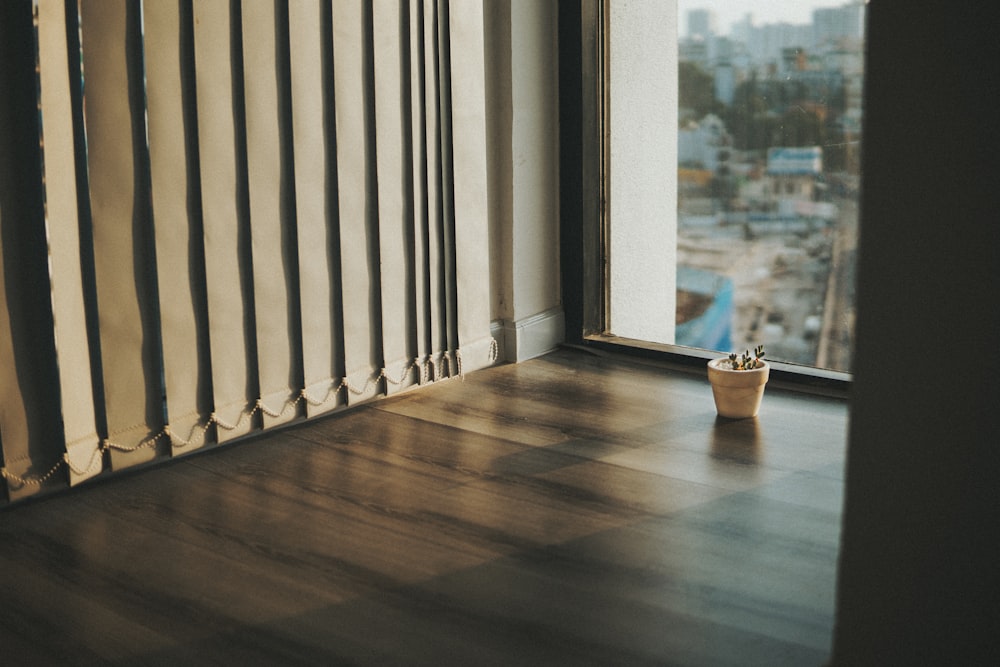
[[737, 393]]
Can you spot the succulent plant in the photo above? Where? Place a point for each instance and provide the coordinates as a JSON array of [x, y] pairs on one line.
[[745, 362]]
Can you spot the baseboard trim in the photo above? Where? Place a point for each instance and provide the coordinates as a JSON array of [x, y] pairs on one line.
[[530, 337]]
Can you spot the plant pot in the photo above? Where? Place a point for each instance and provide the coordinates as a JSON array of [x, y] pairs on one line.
[[737, 393]]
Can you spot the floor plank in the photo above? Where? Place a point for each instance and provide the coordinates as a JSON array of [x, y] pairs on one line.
[[574, 509]]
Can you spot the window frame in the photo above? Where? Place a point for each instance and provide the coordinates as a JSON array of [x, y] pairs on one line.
[[583, 71]]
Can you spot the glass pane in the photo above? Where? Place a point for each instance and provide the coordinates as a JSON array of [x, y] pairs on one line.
[[770, 118]]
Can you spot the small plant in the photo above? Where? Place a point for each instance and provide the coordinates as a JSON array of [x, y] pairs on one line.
[[745, 362]]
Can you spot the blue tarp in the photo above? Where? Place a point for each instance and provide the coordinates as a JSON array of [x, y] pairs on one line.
[[712, 330]]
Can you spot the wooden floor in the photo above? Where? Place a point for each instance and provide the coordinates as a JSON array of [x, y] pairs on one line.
[[571, 510]]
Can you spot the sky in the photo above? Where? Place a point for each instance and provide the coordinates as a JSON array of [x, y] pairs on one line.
[[728, 12]]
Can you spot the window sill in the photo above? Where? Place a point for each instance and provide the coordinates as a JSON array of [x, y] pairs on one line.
[[806, 379]]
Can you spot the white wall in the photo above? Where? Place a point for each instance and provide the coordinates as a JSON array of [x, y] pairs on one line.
[[523, 118], [642, 200], [522, 78]]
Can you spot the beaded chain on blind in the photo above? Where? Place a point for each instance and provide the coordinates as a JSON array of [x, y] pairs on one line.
[[442, 366]]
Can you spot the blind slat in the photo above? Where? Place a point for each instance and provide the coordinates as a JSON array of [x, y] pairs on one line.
[[120, 216], [394, 200], [355, 215], [434, 229], [468, 93], [33, 446], [234, 381], [319, 261], [176, 214], [63, 223], [418, 178], [275, 313]]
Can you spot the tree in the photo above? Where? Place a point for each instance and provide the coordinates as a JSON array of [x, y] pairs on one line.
[[746, 119], [799, 127], [696, 90], [760, 118]]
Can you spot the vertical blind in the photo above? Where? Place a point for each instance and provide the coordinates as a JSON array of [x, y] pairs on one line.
[[236, 214]]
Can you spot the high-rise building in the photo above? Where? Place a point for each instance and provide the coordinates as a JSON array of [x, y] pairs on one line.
[[834, 25], [701, 24], [740, 31]]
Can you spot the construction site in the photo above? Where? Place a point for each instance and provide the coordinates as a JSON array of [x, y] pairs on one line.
[[783, 280]]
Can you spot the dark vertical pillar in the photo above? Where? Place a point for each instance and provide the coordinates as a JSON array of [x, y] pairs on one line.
[[918, 572]]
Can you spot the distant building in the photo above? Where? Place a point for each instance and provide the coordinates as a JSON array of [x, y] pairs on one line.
[[766, 43], [793, 59], [835, 26], [694, 51], [701, 24], [792, 173], [699, 145], [740, 31], [725, 82]]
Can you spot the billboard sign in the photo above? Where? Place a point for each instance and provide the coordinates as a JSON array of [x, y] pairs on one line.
[[801, 160]]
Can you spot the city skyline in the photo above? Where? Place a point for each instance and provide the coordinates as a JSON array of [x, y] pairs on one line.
[[728, 12]]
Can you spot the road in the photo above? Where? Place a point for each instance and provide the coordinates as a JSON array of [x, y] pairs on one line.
[[836, 342], [793, 289]]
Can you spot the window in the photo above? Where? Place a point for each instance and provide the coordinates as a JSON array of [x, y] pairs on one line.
[[731, 163]]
